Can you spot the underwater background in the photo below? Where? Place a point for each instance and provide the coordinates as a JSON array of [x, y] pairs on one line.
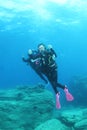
[[26, 103], [24, 24]]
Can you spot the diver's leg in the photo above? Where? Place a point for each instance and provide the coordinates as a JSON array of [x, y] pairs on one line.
[[69, 96], [58, 105]]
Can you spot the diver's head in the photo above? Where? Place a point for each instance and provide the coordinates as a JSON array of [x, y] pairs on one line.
[[41, 47]]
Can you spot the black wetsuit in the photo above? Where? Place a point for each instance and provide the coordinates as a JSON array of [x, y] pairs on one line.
[[34, 61], [49, 68]]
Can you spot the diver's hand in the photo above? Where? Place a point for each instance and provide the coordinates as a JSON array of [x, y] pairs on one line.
[[23, 58], [50, 46], [30, 52]]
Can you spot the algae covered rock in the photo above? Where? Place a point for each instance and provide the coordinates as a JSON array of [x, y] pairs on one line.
[[52, 124], [69, 117], [81, 125], [25, 107], [75, 118]]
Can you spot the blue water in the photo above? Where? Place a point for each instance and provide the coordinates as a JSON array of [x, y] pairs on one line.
[[24, 24]]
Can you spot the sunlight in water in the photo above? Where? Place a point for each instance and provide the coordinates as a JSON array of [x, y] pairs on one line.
[[42, 11], [59, 1]]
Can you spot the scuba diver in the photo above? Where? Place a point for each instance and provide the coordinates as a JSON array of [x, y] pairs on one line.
[[49, 69], [34, 61]]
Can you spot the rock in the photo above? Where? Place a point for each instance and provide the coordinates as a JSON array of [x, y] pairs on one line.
[[53, 124], [25, 107], [81, 125], [69, 117], [75, 118]]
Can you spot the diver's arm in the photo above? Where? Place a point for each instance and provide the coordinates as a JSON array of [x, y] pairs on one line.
[[25, 60], [54, 53], [52, 50]]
